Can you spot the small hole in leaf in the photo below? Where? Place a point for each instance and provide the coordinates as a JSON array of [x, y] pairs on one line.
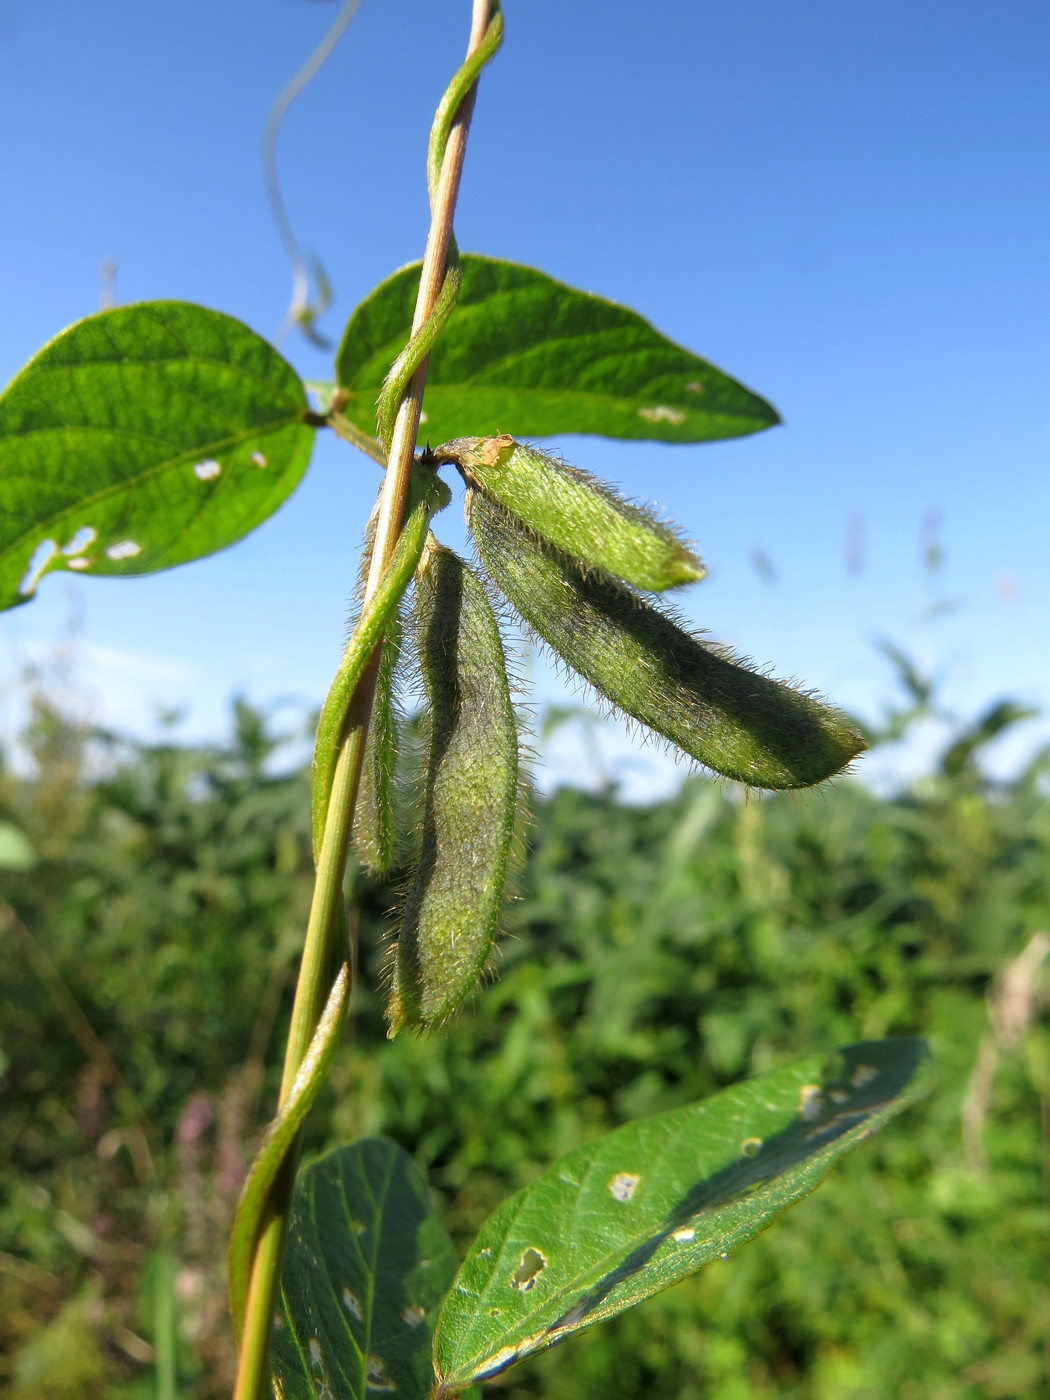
[[838, 1096], [413, 1315], [259, 459], [79, 564], [751, 1147], [123, 549], [529, 1269], [207, 470], [862, 1075], [684, 1235], [485, 1253], [352, 1303], [694, 387], [83, 539], [622, 1186], [810, 1102], [376, 1377], [39, 564], [315, 1353], [662, 413]]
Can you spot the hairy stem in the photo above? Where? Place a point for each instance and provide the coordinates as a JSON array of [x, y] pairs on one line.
[[324, 925]]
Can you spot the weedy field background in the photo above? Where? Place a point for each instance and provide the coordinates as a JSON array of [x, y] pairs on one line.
[[154, 898]]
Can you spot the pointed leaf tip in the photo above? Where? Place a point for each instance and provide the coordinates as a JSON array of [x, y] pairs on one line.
[[638, 1210]]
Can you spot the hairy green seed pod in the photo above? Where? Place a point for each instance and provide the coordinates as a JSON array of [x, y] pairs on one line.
[[575, 512], [427, 494], [376, 811], [452, 906], [726, 716]]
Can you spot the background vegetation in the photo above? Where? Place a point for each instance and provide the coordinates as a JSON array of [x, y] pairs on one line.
[[154, 897]]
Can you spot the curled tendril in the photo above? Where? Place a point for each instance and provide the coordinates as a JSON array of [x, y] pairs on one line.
[[302, 313], [418, 348], [280, 1136], [457, 90]]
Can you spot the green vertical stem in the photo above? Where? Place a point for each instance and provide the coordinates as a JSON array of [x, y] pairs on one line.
[[164, 1358], [311, 989], [323, 928], [253, 1377]]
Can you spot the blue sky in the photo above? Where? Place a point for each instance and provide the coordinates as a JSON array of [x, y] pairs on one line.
[[845, 206]]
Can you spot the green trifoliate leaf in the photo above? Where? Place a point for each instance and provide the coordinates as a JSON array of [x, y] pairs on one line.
[[638, 1210], [453, 902], [573, 510], [142, 438], [523, 351], [367, 1264], [726, 716]]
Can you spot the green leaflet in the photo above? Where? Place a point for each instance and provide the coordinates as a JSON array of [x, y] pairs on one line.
[[574, 511], [733, 720], [452, 906], [367, 1264], [142, 438], [639, 1209], [524, 351]]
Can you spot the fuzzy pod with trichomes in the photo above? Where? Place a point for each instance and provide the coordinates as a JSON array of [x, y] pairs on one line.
[[376, 813], [375, 830], [452, 905], [427, 494], [575, 512], [723, 714]]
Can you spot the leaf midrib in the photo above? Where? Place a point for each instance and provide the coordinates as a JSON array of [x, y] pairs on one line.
[[641, 1236], [619, 400], [368, 1263]]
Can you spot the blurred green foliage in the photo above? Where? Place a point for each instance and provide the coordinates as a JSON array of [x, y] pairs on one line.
[[149, 933]]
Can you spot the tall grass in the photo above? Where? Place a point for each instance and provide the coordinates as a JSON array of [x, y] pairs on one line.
[[654, 954]]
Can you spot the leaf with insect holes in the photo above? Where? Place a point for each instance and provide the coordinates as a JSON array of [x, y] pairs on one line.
[[636, 1211], [141, 438], [367, 1264], [523, 352]]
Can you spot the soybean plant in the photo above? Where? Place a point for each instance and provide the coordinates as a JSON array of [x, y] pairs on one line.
[[151, 435]]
